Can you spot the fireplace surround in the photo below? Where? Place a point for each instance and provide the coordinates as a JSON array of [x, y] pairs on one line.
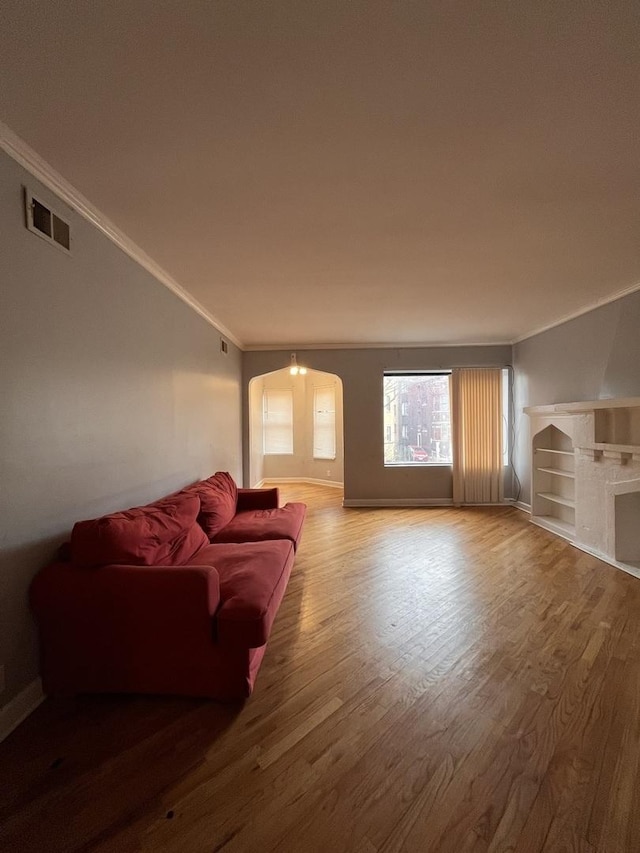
[[586, 476]]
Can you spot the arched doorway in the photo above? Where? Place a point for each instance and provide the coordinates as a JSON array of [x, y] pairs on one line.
[[296, 427]]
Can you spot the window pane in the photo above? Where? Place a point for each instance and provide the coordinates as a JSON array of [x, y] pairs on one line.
[[277, 421], [417, 424]]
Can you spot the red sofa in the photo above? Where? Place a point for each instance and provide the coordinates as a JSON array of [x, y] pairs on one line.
[[175, 597]]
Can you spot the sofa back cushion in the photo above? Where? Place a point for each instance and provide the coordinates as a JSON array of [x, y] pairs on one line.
[[218, 499], [164, 533]]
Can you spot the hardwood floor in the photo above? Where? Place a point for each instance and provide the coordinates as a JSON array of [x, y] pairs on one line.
[[436, 680]]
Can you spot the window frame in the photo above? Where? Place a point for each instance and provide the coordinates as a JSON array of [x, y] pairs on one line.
[[403, 431], [507, 416]]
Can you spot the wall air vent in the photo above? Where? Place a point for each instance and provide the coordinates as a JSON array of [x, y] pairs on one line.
[[46, 223], [224, 346]]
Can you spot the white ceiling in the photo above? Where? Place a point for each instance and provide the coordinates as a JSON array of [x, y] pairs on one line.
[[349, 172]]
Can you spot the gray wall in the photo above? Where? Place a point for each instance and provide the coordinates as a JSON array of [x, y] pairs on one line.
[[113, 392], [593, 357], [361, 371]]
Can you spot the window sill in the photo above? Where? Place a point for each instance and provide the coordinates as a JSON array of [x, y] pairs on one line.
[[418, 464]]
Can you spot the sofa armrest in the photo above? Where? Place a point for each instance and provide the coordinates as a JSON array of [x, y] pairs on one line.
[[167, 594], [257, 499], [116, 619]]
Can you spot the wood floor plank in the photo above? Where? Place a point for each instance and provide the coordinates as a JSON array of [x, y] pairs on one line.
[[267, 758], [441, 679]]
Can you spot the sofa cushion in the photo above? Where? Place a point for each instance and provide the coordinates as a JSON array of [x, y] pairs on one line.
[[261, 525], [161, 533], [253, 578], [218, 498]]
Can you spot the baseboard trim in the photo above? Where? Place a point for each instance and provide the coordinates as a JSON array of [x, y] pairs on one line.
[[630, 570], [332, 483], [523, 506], [409, 502], [396, 502], [19, 708], [505, 502]]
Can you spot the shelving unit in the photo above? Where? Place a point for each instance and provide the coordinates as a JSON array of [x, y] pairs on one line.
[[553, 482], [555, 525], [557, 499], [586, 476], [558, 472]]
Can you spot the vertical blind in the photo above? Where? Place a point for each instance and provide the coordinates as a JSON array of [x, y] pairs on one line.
[[324, 423], [278, 421], [476, 402]]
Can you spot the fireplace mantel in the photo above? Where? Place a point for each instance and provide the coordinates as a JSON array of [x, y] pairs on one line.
[[585, 454]]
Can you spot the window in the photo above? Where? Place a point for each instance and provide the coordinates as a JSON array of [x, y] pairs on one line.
[[277, 421], [422, 399], [324, 423]]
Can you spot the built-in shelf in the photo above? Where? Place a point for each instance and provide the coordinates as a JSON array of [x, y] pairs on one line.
[[555, 525], [557, 499], [554, 479], [569, 474], [589, 492]]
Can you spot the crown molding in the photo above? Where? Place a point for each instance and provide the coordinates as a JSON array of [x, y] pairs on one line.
[[403, 346], [599, 303], [30, 160]]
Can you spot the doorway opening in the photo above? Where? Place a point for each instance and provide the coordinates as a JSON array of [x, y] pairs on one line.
[[296, 427]]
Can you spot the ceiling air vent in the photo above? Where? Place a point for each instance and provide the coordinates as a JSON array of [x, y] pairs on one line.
[[46, 223]]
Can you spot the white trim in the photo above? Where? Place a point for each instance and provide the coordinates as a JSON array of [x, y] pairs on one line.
[[565, 409], [625, 567], [523, 506], [397, 502], [23, 154], [630, 570], [333, 483], [19, 708], [30, 160], [605, 300], [505, 502], [387, 345]]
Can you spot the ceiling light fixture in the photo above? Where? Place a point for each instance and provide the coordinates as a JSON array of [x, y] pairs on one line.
[[295, 368]]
